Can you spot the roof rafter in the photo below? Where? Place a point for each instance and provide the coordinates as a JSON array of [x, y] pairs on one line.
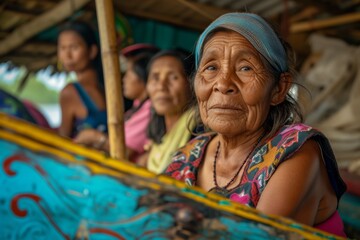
[[61, 11]]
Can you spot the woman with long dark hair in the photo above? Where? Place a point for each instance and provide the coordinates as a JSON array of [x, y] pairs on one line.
[[82, 102], [170, 94]]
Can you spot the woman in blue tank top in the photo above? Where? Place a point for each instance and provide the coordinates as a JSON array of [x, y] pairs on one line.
[[82, 103]]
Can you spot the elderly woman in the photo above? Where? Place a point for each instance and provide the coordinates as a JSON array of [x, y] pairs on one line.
[[258, 153]]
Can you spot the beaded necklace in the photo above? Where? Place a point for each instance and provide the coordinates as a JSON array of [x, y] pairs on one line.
[[223, 191]]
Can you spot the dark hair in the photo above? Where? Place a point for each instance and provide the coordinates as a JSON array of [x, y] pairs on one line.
[[139, 48], [287, 112], [87, 33], [139, 66], [157, 128]]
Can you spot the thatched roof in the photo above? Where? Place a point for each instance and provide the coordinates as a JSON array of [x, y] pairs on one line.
[[21, 21]]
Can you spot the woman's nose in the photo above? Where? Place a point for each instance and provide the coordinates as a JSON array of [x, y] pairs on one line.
[[225, 83], [66, 54], [163, 82]]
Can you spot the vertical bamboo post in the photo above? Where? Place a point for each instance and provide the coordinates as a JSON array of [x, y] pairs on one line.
[[113, 86]]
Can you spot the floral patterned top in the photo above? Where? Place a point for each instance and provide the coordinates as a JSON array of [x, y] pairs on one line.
[[263, 164]]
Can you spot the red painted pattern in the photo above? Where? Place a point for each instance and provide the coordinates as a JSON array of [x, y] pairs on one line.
[[107, 232]]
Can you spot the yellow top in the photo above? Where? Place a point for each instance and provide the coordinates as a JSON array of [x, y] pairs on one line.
[[179, 135]]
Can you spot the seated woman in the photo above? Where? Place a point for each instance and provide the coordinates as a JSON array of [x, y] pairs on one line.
[[136, 119], [257, 153], [83, 102], [169, 91]]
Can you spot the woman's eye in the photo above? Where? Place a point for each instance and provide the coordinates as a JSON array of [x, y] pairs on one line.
[[153, 77], [173, 77], [210, 68], [245, 68], [74, 47]]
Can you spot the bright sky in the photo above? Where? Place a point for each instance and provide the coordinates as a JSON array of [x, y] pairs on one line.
[[8, 75], [53, 81]]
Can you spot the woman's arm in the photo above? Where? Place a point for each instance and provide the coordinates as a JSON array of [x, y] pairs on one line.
[[96, 139], [93, 138], [296, 188], [67, 115]]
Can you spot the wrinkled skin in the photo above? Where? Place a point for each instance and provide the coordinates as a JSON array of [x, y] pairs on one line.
[[233, 88], [235, 92]]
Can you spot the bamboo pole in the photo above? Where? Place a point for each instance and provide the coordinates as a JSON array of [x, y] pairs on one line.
[[113, 86], [324, 23]]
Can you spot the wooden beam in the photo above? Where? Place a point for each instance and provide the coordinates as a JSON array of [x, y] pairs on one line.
[[35, 66], [113, 85], [166, 19], [3, 5], [61, 11], [37, 48], [306, 13], [3, 34], [325, 23], [32, 63], [206, 10], [196, 9], [210, 12]]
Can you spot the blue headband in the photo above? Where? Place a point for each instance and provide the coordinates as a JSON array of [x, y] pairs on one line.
[[256, 30]]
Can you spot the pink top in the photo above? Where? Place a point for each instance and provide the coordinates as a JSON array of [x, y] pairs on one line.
[[36, 114], [333, 225], [136, 127]]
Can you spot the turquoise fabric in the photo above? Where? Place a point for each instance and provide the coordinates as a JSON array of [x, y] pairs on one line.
[[164, 36], [96, 118], [256, 30]]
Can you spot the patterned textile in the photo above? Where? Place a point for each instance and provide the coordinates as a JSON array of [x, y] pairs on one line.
[[263, 164]]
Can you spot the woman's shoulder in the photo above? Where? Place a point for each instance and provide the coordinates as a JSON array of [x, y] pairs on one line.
[[289, 140], [68, 91], [297, 133], [188, 157], [296, 128], [194, 149]]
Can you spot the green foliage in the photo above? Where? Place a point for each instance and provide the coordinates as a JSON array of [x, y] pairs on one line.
[[33, 90], [13, 85], [37, 92]]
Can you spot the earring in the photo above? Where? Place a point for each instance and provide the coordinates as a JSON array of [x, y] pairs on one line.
[[59, 66]]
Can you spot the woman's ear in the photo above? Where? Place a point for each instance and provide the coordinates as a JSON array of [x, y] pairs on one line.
[[94, 50], [282, 88]]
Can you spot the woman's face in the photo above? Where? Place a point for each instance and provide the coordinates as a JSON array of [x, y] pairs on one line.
[[167, 86], [73, 52], [232, 85], [134, 86]]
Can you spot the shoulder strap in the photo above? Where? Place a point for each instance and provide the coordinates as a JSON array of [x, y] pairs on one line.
[[88, 102]]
